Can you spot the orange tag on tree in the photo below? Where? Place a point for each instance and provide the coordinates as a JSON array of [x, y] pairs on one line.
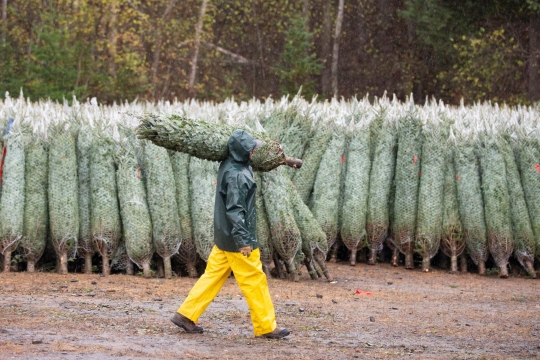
[[342, 159], [415, 159], [458, 177], [537, 167], [138, 172]]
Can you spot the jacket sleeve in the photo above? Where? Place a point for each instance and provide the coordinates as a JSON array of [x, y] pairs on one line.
[[237, 190]]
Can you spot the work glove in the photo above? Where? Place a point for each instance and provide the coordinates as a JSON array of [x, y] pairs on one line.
[[246, 250]]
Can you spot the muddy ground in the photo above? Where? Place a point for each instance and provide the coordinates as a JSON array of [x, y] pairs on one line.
[[397, 314]]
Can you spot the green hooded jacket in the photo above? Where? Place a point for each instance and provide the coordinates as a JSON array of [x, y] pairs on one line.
[[234, 213]]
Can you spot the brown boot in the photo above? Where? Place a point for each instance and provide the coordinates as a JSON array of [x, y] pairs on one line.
[[278, 333], [189, 326]]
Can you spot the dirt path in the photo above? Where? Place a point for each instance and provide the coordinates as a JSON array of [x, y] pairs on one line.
[[408, 314]]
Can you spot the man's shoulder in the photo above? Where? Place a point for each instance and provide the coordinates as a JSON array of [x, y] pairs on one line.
[[238, 171]]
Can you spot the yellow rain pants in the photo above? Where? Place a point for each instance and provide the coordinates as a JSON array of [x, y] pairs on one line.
[[249, 276]]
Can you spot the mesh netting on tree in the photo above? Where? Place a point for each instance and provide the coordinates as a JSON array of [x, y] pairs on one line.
[[356, 188], [263, 229], [452, 239], [304, 178], [104, 212], [314, 243], [187, 253], [524, 241], [12, 200], [86, 242], [286, 239], [407, 179], [207, 140], [496, 204], [63, 194], [36, 217], [327, 187], [431, 188], [529, 165], [160, 188], [203, 181], [134, 211], [380, 186], [471, 204]]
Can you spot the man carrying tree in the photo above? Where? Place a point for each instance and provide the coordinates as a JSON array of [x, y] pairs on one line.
[[236, 248]]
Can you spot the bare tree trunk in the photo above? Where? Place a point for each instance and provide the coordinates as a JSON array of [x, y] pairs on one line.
[[146, 270], [63, 268], [88, 263], [335, 52], [30, 264], [197, 44], [305, 12], [129, 268], [113, 35], [326, 41], [158, 41], [168, 267], [4, 21], [7, 260], [534, 29]]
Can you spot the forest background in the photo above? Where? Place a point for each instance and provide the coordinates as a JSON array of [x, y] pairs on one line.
[[214, 49]]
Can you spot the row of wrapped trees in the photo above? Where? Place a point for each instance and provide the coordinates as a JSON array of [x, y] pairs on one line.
[[129, 181]]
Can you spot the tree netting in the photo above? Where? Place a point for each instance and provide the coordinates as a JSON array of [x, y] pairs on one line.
[[380, 187], [524, 241], [289, 123], [529, 165], [431, 188], [407, 179], [36, 217], [327, 187], [356, 188], [136, 222], [286, 238], [105, 214], [452, 240], [63, 194], [203, 181], [471, 204], [86, 242], [314, 243], [496, 204], [207, 140], [160, 188], [304, 178], [13, 195], [263, 229], [187, 253]]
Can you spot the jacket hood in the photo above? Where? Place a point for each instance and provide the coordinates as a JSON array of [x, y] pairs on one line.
[[240, 145]]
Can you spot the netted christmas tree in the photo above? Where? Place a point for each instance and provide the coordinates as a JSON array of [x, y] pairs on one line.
[[263, 229], [524, 241], [452, 239], [63, 194], [36, 217], [105, 214], [134, 211], [286, 238], [496, 204], [208, 140], [407, 178], [380, 186], [13, 195], [203, 181], [314, 244], [431, 188], [161, 198], [187, 253], [86, 242], [356, 188], [471, 204], [327, 187]]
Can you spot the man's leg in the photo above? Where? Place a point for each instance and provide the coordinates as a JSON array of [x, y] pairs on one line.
[[207, 287], [252, 281]]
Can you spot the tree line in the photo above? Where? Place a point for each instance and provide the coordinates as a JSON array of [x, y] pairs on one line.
[[214, 49]]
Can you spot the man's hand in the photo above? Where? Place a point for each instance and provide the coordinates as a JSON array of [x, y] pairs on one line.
[[246, 250]]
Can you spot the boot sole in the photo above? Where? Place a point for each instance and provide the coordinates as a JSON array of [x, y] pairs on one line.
[[179, 324], [279, 336]]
